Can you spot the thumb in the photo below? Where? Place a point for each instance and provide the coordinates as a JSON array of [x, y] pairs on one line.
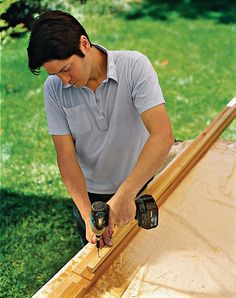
[[110, 232], [107, 238]]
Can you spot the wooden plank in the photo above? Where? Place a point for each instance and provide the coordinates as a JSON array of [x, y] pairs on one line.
[[70, 286], [95, 262], [88, 263], [109, 261]]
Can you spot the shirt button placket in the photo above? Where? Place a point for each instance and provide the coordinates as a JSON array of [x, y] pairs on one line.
[[101, 121]]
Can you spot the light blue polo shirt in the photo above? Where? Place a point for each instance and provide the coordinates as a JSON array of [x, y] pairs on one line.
[[106, 126]]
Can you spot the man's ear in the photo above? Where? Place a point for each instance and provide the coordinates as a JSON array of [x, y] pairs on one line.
[[84, 44]]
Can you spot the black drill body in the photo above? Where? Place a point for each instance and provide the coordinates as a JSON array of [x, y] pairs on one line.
[[146, 215], [99, 219]]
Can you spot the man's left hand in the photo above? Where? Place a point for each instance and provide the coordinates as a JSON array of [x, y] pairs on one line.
[[122, 209]]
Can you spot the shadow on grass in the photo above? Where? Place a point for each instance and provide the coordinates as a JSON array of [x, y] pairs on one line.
[[222, 11], [17, 207], [38, 236]]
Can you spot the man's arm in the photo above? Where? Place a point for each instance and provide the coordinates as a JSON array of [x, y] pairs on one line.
[[152, 156], [155, 150], [73, 177]]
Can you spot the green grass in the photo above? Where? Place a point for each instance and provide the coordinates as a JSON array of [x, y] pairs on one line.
[[195, 62], [37, 239]]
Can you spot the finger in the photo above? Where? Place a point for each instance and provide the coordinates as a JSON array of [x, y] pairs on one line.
[[89, 238], [106, 238], [93, 239], [110, 232], [102, 244]]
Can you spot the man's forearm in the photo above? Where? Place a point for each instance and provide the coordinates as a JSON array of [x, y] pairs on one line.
[[150, 160], [74, 181]]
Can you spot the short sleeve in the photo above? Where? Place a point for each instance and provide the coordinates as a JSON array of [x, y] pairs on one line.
[[146, 91], [56, 117]]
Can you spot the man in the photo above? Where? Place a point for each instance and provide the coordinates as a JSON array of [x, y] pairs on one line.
[[106, 115]]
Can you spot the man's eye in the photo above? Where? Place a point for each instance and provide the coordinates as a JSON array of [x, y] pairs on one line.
[[65, 70]]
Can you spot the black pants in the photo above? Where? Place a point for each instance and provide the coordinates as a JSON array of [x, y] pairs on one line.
[[93, 197]]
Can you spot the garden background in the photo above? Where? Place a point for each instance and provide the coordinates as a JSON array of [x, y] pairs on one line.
[[192, 45]]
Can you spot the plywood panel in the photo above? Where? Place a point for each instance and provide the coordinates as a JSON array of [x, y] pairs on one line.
[[133, 270], [192, 253]]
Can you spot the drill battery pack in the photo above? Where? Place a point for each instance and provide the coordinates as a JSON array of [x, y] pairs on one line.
[[147, 212]]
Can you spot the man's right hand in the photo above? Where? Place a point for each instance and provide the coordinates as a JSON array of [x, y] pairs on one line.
[[91, 237]]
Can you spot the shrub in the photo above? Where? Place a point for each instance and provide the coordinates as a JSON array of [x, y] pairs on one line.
[[17, 15], [6, 29], [220, 10]]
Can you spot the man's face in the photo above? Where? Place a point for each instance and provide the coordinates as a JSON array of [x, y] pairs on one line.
[[74, 70]]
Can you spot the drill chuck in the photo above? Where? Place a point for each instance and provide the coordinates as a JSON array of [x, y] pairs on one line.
[[99, 217]]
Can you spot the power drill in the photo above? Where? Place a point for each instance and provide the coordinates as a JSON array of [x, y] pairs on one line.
[[146, 216]]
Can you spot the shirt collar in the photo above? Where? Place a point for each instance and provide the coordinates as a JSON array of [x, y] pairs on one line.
[[111, 67]]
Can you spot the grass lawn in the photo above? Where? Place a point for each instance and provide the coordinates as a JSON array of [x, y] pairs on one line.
[[195, 62]]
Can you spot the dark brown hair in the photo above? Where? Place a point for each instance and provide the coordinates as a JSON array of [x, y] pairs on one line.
[[54, 35]]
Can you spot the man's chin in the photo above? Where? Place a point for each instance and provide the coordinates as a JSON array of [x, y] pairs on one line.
[[76, 84]]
